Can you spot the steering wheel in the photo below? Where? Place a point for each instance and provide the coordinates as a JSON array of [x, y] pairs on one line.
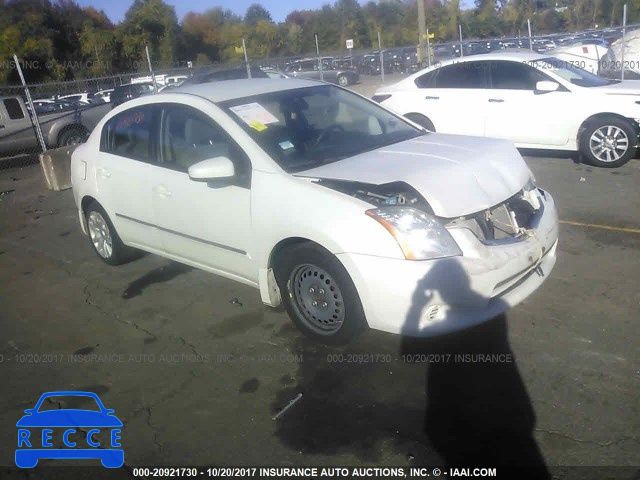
[[326, 132]]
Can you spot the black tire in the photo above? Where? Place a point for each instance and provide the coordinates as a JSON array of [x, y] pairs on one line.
[[308, 266], [99, 223], [421, 120], [343, 80], [72, 136], [603, 141]]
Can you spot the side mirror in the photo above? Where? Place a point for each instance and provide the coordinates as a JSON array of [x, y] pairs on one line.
[[546, 86], [29, 411], [212, 169]]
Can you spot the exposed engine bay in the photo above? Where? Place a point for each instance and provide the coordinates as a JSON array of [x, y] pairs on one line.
[[509, 220]]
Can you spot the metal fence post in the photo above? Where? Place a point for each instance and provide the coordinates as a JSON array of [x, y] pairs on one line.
[[381, 57], [624, 31], [530, 42], [319, 59], [246, 59], [153, 77], [428, 50], [461, 49], [34, 115]]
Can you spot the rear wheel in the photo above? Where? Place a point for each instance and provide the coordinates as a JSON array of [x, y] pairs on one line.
[[72, 136], [608, 142], [104, 238], [319, 295], [421, 120]]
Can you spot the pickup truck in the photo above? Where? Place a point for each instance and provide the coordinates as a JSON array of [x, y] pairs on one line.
[[59, 129]]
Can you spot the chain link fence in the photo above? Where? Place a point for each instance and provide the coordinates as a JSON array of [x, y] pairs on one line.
[[68, 110]]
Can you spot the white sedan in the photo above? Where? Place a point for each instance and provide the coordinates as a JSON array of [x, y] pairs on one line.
[[535, 101], [321, 199]]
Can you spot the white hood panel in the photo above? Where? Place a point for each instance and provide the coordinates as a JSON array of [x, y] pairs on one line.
[[626, 87], [457, 175]]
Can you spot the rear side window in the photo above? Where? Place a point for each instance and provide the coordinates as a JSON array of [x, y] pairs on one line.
[[427, 80], [129, 134], [14, 110]]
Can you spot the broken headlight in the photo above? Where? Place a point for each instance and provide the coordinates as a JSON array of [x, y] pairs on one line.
[[419, 235]]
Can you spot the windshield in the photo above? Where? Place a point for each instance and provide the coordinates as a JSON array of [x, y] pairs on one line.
[[307, 127], [571, 73]]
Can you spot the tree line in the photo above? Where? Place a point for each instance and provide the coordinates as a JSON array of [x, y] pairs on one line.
[[61, 40]]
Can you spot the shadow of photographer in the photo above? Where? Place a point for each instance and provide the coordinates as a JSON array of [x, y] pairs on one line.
[[478, 412]]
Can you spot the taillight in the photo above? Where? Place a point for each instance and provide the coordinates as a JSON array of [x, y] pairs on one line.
[[380, 98]]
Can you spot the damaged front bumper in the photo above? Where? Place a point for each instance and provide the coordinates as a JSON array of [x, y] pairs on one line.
[[433, 297]]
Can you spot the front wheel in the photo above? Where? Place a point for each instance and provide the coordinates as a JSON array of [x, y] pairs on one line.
[[608, 142], [343, 81], [319, 295]]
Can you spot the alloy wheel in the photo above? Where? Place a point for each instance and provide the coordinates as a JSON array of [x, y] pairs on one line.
[[609, 143], [100, 235]]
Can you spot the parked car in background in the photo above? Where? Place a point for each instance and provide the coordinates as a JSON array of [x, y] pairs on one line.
[[535, 101], [175, 80], [85, 98], [104, 94], [226, 74], [126, 92], [310, 68], [345, 212], [59, 128], [274, 73]]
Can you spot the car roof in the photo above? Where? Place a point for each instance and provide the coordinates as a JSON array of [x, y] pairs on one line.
[[231, 89], [513, 55]]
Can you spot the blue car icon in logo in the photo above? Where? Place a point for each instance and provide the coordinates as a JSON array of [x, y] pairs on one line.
[[75, 427]]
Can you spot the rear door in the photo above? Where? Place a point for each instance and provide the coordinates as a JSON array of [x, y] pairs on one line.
[[124, 174]]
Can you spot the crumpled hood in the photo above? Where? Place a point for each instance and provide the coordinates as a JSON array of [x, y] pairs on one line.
[[626, 87], [457, 175]]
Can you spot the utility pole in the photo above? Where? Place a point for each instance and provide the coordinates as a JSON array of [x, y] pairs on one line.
[[422, 32]]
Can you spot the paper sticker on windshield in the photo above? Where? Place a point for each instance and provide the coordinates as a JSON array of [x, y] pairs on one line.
[[286, 145], [259, 126], [254, 112]]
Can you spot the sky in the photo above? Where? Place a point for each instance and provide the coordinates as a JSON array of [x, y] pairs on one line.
[[279, 9]]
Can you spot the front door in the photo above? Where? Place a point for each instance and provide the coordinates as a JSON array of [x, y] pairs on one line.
[[199, 222]]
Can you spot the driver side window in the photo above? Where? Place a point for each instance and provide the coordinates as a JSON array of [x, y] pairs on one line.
[[514, 76], [188, 136]]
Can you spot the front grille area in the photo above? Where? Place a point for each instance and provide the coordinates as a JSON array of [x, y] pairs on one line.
[[504, 222]]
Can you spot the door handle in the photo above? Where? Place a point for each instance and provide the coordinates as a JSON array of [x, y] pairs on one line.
[[162, 191], [496, 100], [429, 97], [103, 173]]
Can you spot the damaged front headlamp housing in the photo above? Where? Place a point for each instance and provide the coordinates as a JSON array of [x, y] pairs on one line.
[[419, 235]]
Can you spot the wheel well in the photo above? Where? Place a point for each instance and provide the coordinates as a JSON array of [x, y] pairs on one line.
[[602, 116], [86, 200], [283, 245], [421, 120]]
